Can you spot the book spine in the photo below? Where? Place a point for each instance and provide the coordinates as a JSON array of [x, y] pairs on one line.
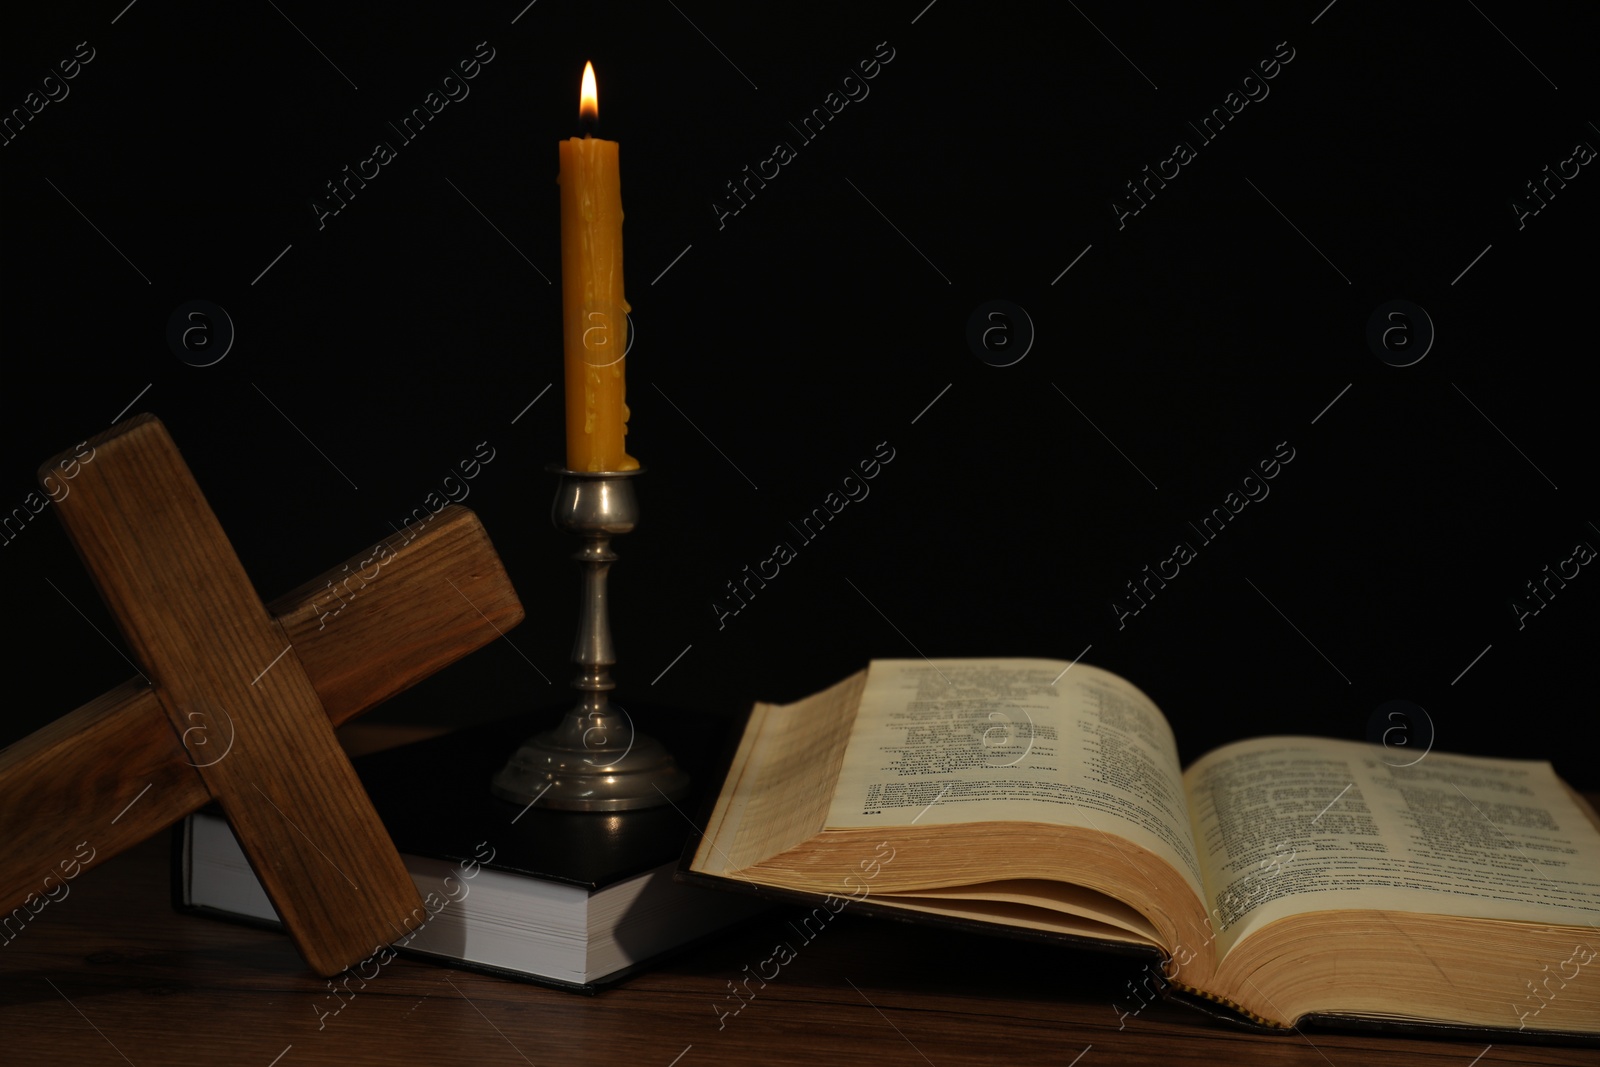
[[1259, 1020]]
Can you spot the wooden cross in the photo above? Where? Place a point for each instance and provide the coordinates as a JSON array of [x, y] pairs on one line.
[[241, 699]]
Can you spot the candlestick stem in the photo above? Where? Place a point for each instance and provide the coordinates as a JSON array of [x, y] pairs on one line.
[[594, 759]]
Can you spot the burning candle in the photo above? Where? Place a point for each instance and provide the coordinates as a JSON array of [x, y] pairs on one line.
[[594, 312]]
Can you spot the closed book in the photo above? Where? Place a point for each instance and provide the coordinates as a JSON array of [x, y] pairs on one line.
[[577, 900]]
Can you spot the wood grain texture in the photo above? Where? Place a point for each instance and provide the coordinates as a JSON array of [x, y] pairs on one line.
[[214, 655], [879, 994], [439, 596]]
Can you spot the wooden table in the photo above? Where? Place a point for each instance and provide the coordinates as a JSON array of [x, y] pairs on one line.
[[111, 974]]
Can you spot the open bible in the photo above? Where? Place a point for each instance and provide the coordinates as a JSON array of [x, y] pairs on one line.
[[1288, 879]]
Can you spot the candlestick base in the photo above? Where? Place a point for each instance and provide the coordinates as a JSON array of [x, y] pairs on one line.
[[594, 760], [558, 769]]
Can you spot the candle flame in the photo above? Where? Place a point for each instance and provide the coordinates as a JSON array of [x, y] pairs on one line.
[[589, 103]]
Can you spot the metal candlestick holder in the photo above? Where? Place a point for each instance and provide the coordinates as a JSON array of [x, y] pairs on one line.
[[593, 760]]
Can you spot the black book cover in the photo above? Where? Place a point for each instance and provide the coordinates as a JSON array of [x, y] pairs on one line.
[[434, 799]]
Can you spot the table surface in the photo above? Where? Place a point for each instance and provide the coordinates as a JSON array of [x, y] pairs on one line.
[[112, 974]]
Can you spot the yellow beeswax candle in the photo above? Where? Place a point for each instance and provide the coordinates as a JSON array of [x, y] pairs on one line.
[[594, 312]]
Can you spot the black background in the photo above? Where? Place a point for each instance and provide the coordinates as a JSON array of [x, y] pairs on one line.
[[827, 316]]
